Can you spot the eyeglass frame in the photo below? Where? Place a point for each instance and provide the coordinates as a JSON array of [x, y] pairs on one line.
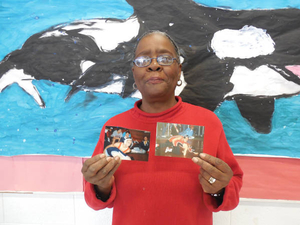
[[156, 60]]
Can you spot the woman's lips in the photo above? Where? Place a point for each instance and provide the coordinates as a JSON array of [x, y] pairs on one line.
[[155, 80]]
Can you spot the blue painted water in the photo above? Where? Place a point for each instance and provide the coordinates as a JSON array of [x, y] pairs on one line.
[[62, 128], [253, 4], [283, 140], [73, 128]]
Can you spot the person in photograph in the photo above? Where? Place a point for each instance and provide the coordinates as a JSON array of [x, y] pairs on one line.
[[178, 142], [189, 131], [125, 135], [119, 149], [163, 190], [175, 129], [145, 144], [117, 135], [108, 133]]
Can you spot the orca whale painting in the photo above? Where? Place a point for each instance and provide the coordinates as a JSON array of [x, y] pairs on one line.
[[66, 68]]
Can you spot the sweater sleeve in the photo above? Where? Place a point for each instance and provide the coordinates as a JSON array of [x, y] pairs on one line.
[[89, 190], [231, 194]]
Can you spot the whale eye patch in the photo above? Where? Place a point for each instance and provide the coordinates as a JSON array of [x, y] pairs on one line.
[[163, 60]]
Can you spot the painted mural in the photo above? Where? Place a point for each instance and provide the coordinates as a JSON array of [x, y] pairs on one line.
[[66, 68]]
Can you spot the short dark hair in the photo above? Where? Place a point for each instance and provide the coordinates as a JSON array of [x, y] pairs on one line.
[[164, 34]]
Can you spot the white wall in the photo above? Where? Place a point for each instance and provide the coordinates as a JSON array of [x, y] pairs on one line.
[[70, 209]]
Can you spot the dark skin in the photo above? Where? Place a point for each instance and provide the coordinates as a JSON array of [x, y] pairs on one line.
[[213, 167], [99, 170], [155, 82], [157, 85]]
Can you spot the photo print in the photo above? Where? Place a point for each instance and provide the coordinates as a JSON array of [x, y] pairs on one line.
[[179, 140], [128, 144]]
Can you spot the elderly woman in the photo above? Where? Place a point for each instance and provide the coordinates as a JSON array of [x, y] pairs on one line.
[[164, 190]]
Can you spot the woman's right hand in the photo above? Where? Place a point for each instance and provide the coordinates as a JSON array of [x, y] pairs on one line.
[[99, 170]]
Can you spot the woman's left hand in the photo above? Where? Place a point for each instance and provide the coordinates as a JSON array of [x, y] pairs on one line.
[[214, 175]]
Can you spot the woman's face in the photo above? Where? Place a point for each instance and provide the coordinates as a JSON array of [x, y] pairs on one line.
[[155, 80]]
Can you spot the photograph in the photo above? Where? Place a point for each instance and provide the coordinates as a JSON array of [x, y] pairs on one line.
[[128, 144], [179, 140]]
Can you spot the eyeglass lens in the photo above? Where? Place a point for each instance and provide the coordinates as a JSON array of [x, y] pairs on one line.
[[162, 60]]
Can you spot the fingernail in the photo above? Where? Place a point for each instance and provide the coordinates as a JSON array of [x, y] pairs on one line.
[[108, 159], [202, 155], [195, 160], [102, 156]]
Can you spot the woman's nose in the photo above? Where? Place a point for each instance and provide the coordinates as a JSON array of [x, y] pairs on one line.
[[154, 66]]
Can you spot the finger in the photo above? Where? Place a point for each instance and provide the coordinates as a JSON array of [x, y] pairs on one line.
[[205, 174], [115, 167], [109, 168], [209, 169], [91, 161], [218, 163], [208, 187], [215, 173], [93, 169], [104, 178], [196, 160]]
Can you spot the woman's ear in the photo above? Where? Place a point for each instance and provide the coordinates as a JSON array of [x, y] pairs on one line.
[[179, 74]]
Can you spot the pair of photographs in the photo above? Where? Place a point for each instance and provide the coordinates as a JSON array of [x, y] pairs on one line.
[[172, 140]]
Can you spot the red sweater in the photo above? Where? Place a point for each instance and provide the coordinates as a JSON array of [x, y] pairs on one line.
[[166, 190]]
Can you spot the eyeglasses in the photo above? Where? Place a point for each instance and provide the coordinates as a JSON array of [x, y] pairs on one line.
[[163, 60]]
